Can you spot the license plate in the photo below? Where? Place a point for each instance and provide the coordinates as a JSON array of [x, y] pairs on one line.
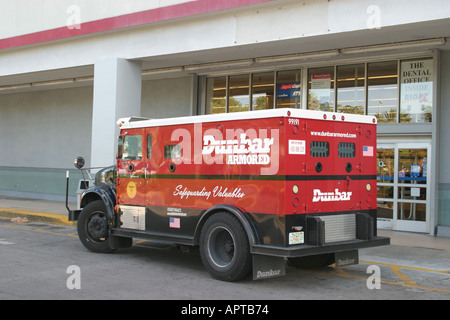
[[296, 237]]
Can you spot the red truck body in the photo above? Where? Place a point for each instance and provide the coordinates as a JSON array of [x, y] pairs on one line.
[[300, 183]]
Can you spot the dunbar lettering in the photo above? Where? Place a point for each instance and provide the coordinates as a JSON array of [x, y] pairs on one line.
[[331, 196]]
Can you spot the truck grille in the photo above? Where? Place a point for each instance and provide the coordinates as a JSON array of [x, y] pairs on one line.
[[330, 228], [340, 227]]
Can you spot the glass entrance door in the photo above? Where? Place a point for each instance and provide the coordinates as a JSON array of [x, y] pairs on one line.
[[403, 186]]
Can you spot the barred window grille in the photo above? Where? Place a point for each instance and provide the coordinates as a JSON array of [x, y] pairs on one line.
[[320, 149], [346, 150]]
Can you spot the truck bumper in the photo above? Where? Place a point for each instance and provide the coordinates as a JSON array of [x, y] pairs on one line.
[[269, 261], [303, 250]]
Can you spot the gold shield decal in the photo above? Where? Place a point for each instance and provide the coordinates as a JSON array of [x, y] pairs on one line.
[[131, 189]]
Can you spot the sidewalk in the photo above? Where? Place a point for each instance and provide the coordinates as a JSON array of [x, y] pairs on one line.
[[36, 210], [56, 212]]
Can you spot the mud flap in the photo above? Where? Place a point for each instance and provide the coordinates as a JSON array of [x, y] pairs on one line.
[[346, 258], [268, 267]]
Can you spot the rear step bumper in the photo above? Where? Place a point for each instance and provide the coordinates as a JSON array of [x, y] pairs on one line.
[[308, 250]]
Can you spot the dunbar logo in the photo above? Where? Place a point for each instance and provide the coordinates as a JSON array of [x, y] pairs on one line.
[[240, 147], [331, 196], [239, 151]]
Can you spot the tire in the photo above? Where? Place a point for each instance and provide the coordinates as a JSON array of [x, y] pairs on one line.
[[93, 229], [224, 248], [310, 262]]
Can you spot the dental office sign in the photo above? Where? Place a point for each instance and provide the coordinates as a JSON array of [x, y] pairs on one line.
[[416, 80]]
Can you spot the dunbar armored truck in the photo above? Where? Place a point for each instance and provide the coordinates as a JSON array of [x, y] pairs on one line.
[[248, 189]]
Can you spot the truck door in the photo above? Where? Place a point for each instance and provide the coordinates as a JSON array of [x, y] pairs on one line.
[[331, 167], [131, 167]]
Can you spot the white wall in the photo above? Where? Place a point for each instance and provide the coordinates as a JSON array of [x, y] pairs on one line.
[[21, 17], [46, 129], [282, 20], [166, 98], [444, 118], [50, 128]]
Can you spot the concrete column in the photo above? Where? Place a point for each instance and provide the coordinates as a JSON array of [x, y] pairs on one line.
[[117, 94]]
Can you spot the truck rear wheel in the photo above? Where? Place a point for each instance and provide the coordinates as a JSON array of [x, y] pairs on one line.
[[93, 229], [224, 247]]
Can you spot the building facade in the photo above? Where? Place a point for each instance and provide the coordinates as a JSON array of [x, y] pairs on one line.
[[70, 68]]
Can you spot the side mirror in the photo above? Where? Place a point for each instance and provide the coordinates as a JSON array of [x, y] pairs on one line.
[[79, 162]]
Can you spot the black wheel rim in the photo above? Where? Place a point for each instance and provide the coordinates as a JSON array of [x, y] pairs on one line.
[[221, 247], [97, 227]]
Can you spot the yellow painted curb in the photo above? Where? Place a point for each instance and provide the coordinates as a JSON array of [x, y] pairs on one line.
[[36, 216]]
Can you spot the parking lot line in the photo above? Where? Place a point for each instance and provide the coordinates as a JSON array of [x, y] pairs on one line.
[[409, 267], [41, 230], [404, 280]]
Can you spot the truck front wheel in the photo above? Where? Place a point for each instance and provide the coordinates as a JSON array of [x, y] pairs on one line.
[[93, 229], [224, 247]]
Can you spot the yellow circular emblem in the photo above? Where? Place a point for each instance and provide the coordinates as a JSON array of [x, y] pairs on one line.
[[131, 189]]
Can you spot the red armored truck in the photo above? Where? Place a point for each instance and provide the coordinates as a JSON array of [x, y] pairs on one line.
[[249, 189]]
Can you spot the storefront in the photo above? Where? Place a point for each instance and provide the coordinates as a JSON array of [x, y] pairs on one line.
[[72, 71], [399, 91]]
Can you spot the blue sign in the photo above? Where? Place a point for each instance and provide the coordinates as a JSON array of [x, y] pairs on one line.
[[287, 90]]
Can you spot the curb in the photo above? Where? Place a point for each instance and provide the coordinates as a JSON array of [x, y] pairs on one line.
[[36, 216]]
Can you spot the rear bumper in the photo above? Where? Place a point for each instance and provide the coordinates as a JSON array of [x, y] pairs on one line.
[[303, 250]]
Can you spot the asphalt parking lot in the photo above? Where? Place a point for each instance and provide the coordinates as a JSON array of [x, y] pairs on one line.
[[36, 256]]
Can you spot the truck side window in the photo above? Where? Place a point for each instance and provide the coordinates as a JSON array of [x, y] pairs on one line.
[[172, 151], [130, 147], [320, 149], [149, 146], [346, 150]]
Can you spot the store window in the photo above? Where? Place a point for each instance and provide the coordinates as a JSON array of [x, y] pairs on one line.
[[382, 91], [262, 90], [393, 91], [288, 89], [351, 96], [385, 182], [216, 95], [265, 90], [416, 92], [239, 98], [321, 89]]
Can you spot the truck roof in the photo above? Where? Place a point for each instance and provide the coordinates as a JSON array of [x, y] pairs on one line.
[[140, 122]]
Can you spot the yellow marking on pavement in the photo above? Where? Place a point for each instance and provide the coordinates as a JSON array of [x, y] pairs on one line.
[[55, 218], [405, 281], [409, 267], [72, 235]]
